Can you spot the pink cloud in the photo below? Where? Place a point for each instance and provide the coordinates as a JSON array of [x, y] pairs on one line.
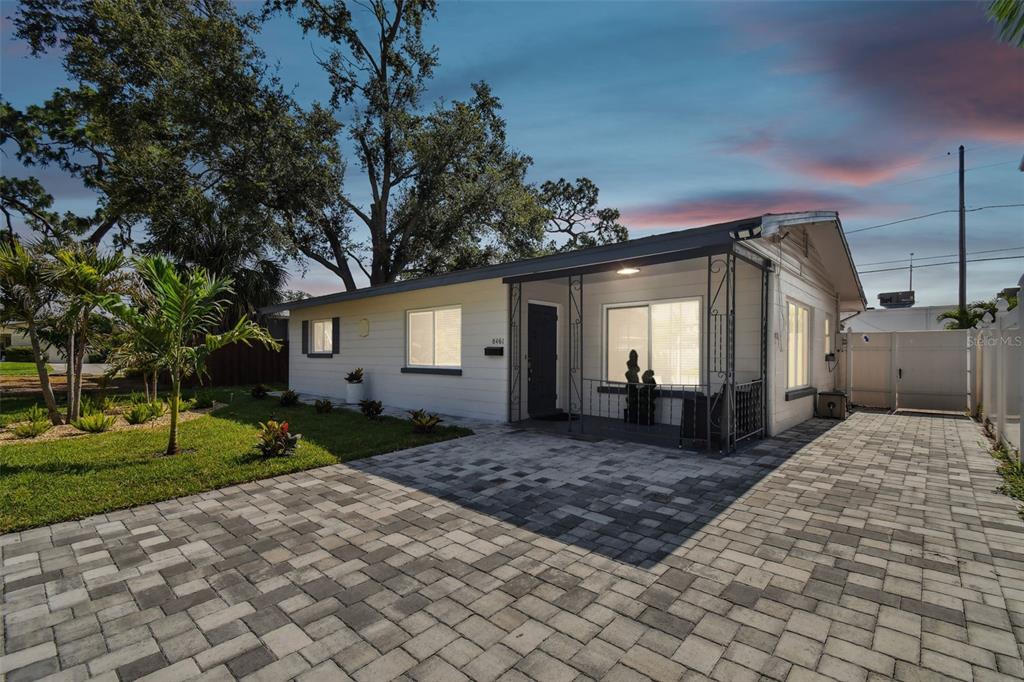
[[723, 206], [822, 159], [852, 170], [935, 72]]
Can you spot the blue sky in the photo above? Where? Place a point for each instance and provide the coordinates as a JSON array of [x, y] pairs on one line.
[[689, 113]]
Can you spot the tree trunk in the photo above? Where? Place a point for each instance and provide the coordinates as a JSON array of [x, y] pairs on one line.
[[79, 359], [156, 375], [70, 358], [145, 385], [172, 440], [44, 376]]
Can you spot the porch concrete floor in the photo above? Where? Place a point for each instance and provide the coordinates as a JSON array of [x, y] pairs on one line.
[[867, 549]]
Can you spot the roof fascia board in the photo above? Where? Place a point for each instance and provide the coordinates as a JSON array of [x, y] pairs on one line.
[[605, 266]]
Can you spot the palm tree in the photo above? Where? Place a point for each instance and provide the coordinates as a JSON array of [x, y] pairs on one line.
[[186, 308], [135, 341], [85, 276], [25, 297], [1009, 14], [961, 319]]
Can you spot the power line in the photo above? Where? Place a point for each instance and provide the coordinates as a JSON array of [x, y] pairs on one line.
[[942, 175], [948, 255], [930, 265], [929, 215]]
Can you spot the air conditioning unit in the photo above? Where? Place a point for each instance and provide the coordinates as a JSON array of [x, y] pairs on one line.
[[832, 404]]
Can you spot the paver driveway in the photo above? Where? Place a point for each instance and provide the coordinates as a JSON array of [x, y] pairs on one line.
[[875, 548]]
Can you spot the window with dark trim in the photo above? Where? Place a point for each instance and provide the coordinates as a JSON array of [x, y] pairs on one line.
[[320, 338]]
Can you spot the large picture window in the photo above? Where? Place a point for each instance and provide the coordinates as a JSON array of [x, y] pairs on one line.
[[665, 335], [322, 336], [798, 324], [434, 337]]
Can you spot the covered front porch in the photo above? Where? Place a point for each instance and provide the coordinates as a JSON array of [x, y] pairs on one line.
[[669, 349]]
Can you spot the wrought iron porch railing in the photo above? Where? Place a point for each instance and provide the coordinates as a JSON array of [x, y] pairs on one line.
[[670, 414], [749, 410]]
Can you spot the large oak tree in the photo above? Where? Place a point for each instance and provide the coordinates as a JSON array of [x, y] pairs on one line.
[[191, 145], [446, 190]]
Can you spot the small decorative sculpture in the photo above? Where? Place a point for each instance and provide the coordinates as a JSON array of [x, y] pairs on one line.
[[647, 398], [639, 392], [633, 368]]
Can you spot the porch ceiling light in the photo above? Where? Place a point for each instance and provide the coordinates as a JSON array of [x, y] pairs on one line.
[[627, 270]]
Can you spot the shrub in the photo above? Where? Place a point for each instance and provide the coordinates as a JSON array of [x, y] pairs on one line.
[[137, 399], [141, 413], [106, 404], [183, 404], [138, 413], [32, 428], [423, 421], [157, 408], [202, 401], [36, 414], [324, 406], [289, 398], [19, 354], [259, 391], [97, 422], [276, 439], [371, 408], [355, 376]]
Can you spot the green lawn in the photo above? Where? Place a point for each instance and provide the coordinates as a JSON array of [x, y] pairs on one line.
[[20, 369], [59, 480]]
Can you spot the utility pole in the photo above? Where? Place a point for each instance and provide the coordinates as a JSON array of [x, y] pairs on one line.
[[911, 287], [963, 239]]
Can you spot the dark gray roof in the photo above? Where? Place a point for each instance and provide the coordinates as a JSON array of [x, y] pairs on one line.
[[680, 241]]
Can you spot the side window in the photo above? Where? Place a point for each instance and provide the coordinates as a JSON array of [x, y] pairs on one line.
[[798, 346], [322, 337]]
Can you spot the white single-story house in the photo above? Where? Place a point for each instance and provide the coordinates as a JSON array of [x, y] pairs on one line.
[[15, 334], [735, 323]]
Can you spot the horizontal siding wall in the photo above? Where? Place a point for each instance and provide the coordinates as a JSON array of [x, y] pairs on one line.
[[801, 277], [669, 281], [480, 392]]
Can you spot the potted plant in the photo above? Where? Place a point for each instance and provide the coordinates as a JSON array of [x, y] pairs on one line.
[[356, 387]]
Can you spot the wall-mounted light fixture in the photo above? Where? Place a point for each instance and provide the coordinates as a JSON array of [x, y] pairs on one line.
[[627, 270]]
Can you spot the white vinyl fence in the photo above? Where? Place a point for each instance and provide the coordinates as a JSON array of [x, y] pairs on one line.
[[998, 348], [920, 370]]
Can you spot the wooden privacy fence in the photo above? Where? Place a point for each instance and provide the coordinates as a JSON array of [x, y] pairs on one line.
[[241, 364]]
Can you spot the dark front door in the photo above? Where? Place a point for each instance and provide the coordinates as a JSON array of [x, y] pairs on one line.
[[542, 355]]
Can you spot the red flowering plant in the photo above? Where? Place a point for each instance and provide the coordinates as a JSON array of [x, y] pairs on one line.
[[276, 440]]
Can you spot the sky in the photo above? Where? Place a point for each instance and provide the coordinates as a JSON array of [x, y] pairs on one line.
[[690, 113]]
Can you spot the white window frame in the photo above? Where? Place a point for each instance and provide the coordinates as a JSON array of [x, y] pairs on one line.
[[650, 349], [313, 336], [408, 336], [806, 343], [828, 334]]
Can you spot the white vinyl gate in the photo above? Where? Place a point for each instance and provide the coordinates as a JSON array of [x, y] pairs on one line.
[[926, 370]]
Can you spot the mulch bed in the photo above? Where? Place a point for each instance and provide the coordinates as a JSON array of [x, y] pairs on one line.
[[7, 436]]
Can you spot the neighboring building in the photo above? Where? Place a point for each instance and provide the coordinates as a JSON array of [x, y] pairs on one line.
[[734, 321], [922, 318], [14, 334]]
